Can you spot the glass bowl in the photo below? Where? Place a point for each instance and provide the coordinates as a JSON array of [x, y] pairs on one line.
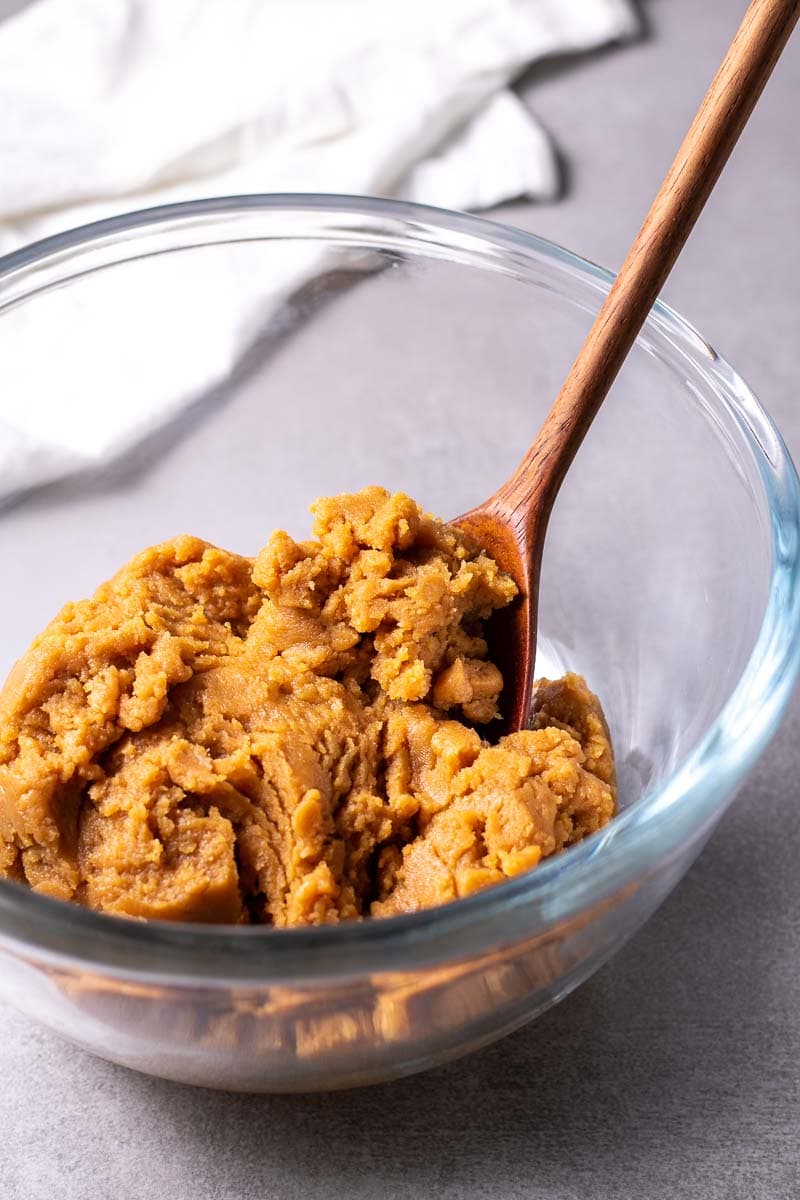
[[324, 343]]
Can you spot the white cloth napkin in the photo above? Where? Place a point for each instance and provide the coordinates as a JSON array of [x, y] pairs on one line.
[[113, 105]]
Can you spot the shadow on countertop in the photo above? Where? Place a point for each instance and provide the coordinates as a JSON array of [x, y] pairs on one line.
[[556, 64]]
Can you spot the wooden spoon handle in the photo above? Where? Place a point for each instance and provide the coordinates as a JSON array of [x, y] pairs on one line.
[[764, 31]]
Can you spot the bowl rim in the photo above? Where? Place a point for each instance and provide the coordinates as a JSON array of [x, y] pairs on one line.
[[584, 875]]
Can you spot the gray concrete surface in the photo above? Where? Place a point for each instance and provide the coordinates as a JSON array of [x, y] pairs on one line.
[[676, 1070]]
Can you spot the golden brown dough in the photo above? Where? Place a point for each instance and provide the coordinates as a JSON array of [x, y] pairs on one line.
[[284, 740], [102, 667]]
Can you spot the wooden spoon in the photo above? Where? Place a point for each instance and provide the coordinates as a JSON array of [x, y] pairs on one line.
[[511, 525]]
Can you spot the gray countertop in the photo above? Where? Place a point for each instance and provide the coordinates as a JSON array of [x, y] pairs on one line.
[[675, 1071]]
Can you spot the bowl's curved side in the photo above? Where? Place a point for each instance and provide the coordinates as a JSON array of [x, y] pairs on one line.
[[659, 824], [298, 1036]]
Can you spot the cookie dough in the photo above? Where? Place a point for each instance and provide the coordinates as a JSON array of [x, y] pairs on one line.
[[289, 740]]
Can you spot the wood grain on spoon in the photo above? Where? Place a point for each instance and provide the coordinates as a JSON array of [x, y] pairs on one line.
[[511, 525]]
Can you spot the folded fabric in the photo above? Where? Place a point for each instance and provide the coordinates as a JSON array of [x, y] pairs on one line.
[[113, 105]]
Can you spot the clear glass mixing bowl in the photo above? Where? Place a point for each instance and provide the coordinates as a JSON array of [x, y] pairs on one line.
[[331, 342]]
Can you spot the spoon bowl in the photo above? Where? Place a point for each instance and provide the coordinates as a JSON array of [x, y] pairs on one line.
[[511, 632]]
